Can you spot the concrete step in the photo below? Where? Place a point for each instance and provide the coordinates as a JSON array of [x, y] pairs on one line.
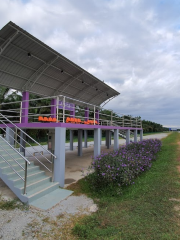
[[38, 183], [8, 170], [32, 186], [42, 191], [4, 163], [36, 175], [10, 155], [12, 175]]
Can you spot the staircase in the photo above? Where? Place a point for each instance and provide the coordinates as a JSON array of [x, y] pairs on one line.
[[12, 173], [26, 180]]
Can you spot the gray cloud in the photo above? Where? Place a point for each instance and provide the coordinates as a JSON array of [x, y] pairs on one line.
[[133, 45]]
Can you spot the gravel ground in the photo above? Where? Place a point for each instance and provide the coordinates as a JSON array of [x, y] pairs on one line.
[[25, 224]]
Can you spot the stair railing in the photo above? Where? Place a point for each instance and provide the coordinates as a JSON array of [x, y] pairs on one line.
[[16, 142], [12, 157]]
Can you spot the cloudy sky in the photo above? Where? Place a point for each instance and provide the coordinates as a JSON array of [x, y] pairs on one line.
[[133, 45]]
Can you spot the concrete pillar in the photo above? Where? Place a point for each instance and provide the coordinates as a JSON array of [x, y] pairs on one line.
[[141, 135], [71, 139], [79, 142], [59, 162], [97, 146], [135, 135], [127, 136], [116, 139], [10, 135], [53, 108], [22, 142], [108, 139], [85, 138], [25, 107]]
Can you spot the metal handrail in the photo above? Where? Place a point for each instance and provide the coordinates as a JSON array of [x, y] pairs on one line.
[[26, 162], [28, 136], [12, 168], [12, 157], [15, 150], [27, 150], [84, 103], [23, 140]]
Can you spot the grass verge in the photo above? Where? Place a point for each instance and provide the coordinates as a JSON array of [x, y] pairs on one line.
[[143, 210]]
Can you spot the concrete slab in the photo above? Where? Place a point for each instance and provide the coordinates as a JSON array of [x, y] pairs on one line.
[[50, 200]]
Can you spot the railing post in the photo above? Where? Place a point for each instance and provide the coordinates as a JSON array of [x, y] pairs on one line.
[[111, 118], [25, 177], [57, 108], [64, 109]]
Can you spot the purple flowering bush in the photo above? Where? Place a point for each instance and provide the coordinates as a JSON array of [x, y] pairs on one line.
[[121, 167]]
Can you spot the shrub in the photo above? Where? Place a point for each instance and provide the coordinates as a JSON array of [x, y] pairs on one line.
[[121, 167]]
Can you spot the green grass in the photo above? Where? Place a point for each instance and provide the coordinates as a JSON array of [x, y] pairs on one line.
[[144, 210], [12, 204]]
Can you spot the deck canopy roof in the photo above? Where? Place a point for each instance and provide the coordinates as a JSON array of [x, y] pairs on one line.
[[27, 64]]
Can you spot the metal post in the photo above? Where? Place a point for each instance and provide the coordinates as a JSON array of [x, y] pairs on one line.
[[57, 108], [123, 120], [25, 177], [63, 109], [111, 118]]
